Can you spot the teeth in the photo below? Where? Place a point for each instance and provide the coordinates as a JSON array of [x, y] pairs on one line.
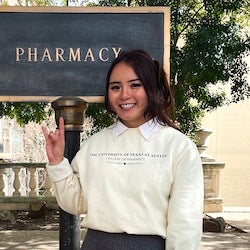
[[129, 105]]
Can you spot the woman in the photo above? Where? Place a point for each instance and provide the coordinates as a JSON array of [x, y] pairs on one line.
[[140, 180]]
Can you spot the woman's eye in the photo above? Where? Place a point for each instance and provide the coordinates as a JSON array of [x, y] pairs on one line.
[[136, 85], [115, 87]]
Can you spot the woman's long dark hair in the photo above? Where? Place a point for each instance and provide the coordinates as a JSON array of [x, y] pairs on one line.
[[154, 81]]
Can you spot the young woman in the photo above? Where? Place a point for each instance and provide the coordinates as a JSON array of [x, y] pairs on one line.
[[140, 180]]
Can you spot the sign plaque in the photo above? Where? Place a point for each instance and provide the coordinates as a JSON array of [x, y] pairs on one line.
[[50, 52]]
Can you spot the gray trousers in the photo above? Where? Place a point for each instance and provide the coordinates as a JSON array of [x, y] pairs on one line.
[[98, 240]]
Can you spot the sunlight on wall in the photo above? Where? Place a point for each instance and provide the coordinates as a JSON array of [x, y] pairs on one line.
[[230, 143]]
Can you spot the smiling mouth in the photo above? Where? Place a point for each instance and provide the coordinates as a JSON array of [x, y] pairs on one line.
[[127, 106]]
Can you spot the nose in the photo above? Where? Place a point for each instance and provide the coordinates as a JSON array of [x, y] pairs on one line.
[[125, 93]]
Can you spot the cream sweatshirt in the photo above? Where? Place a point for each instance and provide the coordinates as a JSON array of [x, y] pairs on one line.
[[145, 180]]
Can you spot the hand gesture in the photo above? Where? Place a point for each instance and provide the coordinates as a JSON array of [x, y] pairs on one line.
[[55, 143]]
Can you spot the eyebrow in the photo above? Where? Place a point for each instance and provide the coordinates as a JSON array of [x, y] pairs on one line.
[[132, 80]]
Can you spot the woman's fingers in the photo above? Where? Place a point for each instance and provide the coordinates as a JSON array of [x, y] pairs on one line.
[[61, 128], [57, 134]]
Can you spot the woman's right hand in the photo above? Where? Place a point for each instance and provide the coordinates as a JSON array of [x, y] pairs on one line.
[[55, 143]]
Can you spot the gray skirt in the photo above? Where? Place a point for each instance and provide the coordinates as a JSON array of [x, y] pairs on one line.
[[98, 240]]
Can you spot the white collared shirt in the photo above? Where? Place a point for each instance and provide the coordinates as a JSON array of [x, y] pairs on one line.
[[146, 129]]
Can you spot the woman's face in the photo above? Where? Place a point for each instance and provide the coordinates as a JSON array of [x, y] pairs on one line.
[[127, 96]]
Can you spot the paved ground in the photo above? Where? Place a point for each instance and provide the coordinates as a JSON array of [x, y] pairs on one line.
[[35, 240], [227, 241]]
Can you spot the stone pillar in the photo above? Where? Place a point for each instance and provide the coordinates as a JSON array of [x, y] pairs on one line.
[[211, 170], [213, 202], [72, 110]]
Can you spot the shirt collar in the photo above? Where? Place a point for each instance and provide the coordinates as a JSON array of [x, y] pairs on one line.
[[146, 129]]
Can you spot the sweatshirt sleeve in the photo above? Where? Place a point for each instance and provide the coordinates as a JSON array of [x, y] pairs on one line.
[[184, 228], [67, 187]]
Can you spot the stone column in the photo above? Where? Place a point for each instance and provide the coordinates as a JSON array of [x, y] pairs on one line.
[[211, 170]]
